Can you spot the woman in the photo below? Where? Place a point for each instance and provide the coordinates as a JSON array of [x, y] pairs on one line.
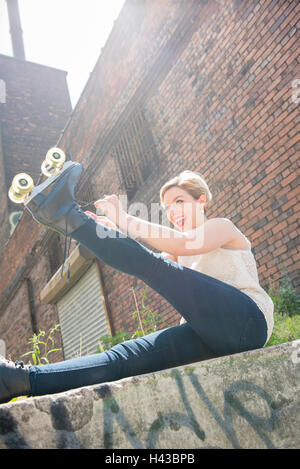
[[206, 271]]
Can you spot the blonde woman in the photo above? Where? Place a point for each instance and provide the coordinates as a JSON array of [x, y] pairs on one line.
[[205, 270]]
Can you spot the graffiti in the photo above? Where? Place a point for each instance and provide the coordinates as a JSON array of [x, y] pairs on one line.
[[66, 427], [175, 419], [231, 402], [9, 432]]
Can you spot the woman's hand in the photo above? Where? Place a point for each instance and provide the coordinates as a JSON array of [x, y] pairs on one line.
[[112, 208], [102, 219]]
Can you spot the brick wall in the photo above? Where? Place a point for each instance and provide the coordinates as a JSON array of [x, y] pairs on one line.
[[214, 81]]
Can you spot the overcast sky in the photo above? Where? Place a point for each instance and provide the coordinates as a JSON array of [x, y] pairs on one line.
[[65, 34]]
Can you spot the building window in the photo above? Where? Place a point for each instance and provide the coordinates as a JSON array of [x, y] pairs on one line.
[[82, 316], [135, 153]]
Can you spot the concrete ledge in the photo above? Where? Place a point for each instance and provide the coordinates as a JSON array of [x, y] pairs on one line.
[[247, 400], [79, 261]]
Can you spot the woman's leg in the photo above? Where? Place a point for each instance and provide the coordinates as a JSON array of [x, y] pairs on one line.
[[221, 319], [227, 320], [163, 349]]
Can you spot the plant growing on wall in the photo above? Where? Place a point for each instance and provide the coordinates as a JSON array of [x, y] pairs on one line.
[[40, 347], [148, 321], [286, 311], [286, 300], [105, 342]]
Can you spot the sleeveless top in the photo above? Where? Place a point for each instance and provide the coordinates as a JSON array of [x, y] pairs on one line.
[[237, 267]]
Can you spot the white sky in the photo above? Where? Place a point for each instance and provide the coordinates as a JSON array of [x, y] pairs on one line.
[[65, 34]]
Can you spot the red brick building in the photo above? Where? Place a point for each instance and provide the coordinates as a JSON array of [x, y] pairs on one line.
[[209, 86]]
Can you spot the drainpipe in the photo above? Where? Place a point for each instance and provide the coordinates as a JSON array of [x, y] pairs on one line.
[[15, 29], [32, 310]]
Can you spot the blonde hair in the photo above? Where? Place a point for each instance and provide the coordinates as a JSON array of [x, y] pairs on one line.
[[191, 181]]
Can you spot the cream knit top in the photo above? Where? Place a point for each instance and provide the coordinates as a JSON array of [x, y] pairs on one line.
[[237, 267]]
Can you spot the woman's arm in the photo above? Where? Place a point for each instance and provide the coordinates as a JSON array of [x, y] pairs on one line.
[[157, 236], [211, 235]]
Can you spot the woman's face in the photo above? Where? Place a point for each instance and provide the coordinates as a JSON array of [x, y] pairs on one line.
[[183, 211]]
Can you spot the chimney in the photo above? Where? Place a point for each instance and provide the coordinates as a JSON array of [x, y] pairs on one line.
[[15, 29]]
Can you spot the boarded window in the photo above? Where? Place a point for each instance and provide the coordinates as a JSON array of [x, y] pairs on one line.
[[135, 153], [82, 315]]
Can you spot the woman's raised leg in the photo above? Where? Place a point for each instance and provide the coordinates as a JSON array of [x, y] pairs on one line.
[[227, 320]]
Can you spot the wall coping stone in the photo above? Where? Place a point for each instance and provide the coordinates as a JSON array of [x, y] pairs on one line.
[[246, 400]]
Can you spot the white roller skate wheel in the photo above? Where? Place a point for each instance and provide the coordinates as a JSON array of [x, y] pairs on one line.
[[16, 197], [22, 183], [49, 170], [55, 157]]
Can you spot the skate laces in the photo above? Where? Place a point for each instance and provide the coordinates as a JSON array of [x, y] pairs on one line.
[[17, 363]]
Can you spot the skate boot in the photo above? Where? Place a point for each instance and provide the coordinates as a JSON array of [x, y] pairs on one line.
[[52, 203], [58, 209], [14, 380]]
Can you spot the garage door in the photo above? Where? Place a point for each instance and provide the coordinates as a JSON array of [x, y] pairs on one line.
[[82, 315]]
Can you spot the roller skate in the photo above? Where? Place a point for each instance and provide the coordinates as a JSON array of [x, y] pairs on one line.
[[14, 380], [23, 184], [52, 203]]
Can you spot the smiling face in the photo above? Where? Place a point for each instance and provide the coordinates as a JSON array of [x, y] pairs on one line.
[[183, 211]]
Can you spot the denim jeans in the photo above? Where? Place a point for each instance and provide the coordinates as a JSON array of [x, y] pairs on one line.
[[221, 320]]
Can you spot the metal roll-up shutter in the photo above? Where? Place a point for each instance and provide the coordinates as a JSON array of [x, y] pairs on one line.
[[82, 315]]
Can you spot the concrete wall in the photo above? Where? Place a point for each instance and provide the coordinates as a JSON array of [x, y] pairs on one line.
[[247, 400]]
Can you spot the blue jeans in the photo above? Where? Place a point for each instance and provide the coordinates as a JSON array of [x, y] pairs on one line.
[[221, 320]]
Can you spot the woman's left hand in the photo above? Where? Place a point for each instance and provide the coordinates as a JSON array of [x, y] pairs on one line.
[[111, 207]]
